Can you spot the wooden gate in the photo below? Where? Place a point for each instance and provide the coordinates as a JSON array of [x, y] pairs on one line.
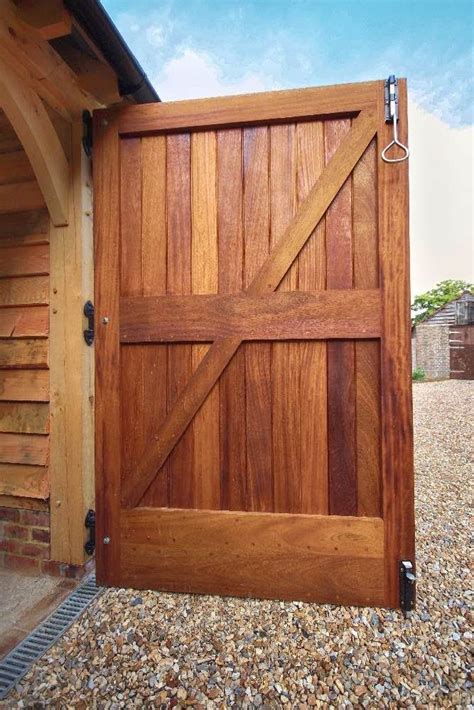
[[253, 394]]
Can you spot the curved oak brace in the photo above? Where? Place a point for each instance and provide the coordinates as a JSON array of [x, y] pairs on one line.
[[28, 116]]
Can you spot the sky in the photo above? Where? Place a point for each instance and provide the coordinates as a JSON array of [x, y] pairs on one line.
[[197, 48]]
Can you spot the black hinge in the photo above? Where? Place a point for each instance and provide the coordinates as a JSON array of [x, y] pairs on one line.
[[89, 314], [89, 547], [87, 133], [407, 586]]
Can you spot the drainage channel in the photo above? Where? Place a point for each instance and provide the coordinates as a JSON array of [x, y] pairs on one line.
[[18, 662]]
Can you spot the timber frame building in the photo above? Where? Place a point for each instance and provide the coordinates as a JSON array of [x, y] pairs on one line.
[[58, 60]]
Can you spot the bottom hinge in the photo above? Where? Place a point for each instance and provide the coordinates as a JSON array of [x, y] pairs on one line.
[[407, 586], [89, 547]]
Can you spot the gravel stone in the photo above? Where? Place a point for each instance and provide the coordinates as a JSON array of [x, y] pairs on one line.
[[183, 651]]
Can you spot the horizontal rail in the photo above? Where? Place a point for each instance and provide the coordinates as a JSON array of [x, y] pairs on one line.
[[248, 109], [299, 315]]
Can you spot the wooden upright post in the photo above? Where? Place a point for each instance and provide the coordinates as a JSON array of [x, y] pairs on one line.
[[71, 366]]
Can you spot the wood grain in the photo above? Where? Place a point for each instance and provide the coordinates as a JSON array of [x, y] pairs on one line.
[[18, 224], [204, 279], [26, 482], [323, 559], [21, 197], [32, 321], [107, 348], [24, 417], [178, 200], [367, 353], [28, 291], [25, 261], [285, 362], [282, 315], [24, 353], [397, 417], [258, 387], [15, 167], [132, 381], [267, 107], [232, 399], [313, 365], [24, 385], [154, 249], [267, 279], [29, 449], [342, 470]]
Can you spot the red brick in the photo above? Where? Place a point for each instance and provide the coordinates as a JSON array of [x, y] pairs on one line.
[[38, 518], [26, 564], [31, 550], [16, 531], [10, 514], [40, 535], [11, 546]]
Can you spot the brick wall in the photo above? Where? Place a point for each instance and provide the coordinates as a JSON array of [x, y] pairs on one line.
[[432, 351], [24, 544]]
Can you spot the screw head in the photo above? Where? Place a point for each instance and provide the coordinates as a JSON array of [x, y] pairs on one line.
[[104, 122], [105, 320], [106, 540]]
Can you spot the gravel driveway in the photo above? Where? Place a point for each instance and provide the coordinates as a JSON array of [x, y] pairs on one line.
[[151, 649]]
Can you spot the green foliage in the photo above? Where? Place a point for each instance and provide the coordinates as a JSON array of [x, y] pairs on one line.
[[418, 374], [427, 303]]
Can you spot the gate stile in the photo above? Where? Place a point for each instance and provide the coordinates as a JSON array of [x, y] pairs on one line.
[[253, 379]]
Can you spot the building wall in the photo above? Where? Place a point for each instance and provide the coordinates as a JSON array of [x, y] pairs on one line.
[[24, 325], [432, 351]]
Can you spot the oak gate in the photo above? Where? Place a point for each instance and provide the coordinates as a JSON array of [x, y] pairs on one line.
[[253, 393]]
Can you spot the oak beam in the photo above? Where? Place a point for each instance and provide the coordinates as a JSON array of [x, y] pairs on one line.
[[71, 366], [31, 122], [25, 50]]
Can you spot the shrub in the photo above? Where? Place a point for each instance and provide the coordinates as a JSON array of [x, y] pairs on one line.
[[418, 374]]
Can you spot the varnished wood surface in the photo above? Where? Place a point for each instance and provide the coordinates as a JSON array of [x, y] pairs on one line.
[[266, 107], [107, 365], [266, 279], [281, 316], [396, 408], [250, 326], [279, 556]]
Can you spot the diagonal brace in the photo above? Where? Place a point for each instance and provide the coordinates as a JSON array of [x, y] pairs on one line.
[[267, 279]]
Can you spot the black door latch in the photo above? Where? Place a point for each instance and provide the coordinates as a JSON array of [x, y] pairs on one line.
[[407, 586], [89, 547], [89, 314]]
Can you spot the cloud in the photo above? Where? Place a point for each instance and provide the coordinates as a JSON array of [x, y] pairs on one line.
[[441, 211], [192, 74]]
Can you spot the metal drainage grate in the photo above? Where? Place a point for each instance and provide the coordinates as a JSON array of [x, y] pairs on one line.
[[14, 666]]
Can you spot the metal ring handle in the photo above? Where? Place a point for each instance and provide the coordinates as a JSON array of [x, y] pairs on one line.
[[393, 142], [395, 160]]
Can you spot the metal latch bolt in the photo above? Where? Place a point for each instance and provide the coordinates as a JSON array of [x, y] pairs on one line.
[[407, 586]]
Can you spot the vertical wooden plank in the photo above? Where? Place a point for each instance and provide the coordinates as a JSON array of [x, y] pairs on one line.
[[178, 200], [153, 263], [107, 346], [131, 284], [397, 422], [257, 355], [204, 274], [71, 467], [233, 445], [367, 353], [285, 355], [313, 375], [341, 367]]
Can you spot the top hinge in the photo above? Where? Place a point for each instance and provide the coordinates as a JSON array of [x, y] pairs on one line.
[[87, 133]]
